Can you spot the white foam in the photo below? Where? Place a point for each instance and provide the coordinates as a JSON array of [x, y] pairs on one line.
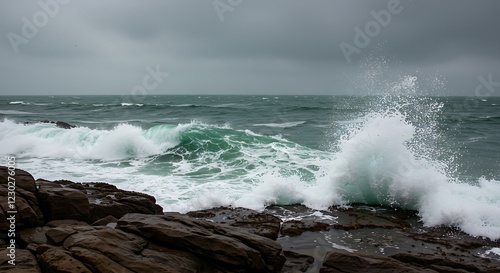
[[48, 141], [281, 125], [472, 208], [19, 102], [493, 253], [229, 105], [27, 103], [130, 104], [273, 189], [375, 165], [494, 250], [14, 112], [184, 105]]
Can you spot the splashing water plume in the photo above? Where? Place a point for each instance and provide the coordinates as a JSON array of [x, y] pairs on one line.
[[390, 158]]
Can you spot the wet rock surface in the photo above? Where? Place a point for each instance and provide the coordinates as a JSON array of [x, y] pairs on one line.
[[296, 262], [61, 201], [91, 201], [29, 213], [26, 262], [263, 224], [60, 124], [107, 200], [376, 239], [297, 227], [221, 244], [95, 227], [349, 262]]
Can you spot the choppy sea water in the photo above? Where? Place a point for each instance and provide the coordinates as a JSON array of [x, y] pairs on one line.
[[437, 155]]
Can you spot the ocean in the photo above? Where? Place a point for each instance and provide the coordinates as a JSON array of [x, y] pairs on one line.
[[439, 156]]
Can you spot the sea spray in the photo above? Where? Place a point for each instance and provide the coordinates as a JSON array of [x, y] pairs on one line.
[[390, 149], [391, 158]]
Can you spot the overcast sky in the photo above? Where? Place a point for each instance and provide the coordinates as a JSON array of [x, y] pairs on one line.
[[247, 46]]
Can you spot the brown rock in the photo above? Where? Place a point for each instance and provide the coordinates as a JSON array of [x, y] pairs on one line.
[[434, 261], [366, 263], [181, 261], [60, 124], [104, 221], [60, 261], [123, 251], [68, 222], [27, 214], [64, 125], [108, 200], [445, 269], [296, 227], [27, 207], [57, 235], [97, 261], [32, 236], [40, 249], [357, 218], [63, 199], [255, 222], [218, 243], [296, 262], [25, 262], [23, 179], [61, 202]]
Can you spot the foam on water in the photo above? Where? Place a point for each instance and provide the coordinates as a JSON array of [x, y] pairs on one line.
[[131, 104], [391, 156], [14, 112], [495, 251], [281, 125], [375, 165], [19, 102], [48, 141]]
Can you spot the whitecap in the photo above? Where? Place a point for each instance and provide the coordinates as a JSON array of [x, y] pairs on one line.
[[281, 125], [19, 102], [15, 112], [131, 104]]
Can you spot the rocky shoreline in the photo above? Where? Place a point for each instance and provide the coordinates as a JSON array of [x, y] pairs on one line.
[[64, 226]]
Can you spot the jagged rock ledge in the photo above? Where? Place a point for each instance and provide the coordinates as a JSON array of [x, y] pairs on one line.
[[63, 226], [60, 124]]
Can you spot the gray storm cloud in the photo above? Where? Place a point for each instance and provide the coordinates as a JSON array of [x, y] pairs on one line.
[[244, 46]]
